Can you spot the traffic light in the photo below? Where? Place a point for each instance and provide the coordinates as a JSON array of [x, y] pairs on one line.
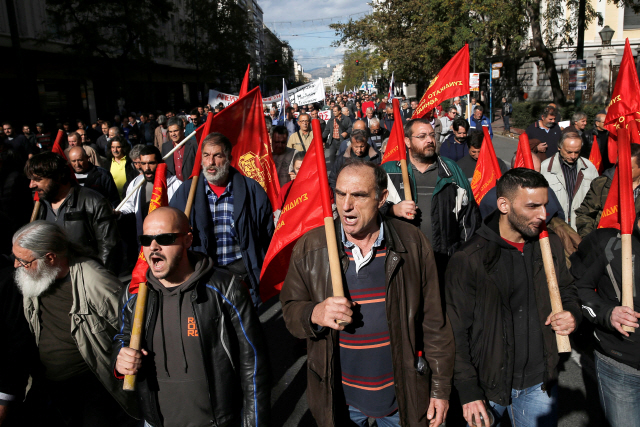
[[357, 62]]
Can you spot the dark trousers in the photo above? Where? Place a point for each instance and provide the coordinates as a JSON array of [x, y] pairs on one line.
[[330, 152]]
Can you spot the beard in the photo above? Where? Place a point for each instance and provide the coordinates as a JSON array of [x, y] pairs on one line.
[[427, 155], [33, 284], [522, 225], [50, 191], [220, 175], [170, 266]]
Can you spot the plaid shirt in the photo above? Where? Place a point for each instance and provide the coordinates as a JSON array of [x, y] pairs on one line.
[[227, 247]]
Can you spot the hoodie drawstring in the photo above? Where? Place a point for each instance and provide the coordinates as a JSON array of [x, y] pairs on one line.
[[184, 355], [164, 345]]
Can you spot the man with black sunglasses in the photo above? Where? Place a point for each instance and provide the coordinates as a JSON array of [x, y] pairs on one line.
[[203, 355]]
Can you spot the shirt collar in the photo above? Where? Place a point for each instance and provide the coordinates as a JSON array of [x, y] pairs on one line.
[[376, 244]]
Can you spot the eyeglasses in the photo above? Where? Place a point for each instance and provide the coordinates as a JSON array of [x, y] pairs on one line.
[[27, 264], [303, 121], [423, 136], [164, 239]]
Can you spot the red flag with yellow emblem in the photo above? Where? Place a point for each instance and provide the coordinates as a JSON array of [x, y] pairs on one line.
[[487, 169], [159, 198]]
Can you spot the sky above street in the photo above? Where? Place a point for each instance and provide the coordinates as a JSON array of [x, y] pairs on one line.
[[305, 25]]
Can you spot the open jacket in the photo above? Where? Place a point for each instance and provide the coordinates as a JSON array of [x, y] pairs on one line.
[[477, 289], [252, 217], [414, 312], [374, 157], [597, 267], [233, 350], [94, 322], [551, 169], [454, 213], [90, 222], [188, 159], [344, 125]]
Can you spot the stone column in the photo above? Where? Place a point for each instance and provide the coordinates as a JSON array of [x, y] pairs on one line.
[[604, 57]]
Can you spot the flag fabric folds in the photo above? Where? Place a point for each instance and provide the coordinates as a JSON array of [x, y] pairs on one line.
[[396, 148], [595, 156], [487, 169], [243, 123], [159, 197], [524, 157], [303, 210], [451, 81]]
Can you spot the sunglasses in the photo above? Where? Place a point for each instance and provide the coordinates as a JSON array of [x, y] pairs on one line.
[[164, 239]]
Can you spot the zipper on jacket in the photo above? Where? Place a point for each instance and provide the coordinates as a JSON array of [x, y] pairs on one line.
[[206, 364]]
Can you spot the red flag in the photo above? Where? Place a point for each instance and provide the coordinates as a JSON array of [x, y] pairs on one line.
[[243, 123], [523, 155], [244, 88], [304, 209], [57, 148], [201, 134], [451, 81], [595, 156], [159, 198], [487, 169], [396, 148], [624, 100], [619, 209]]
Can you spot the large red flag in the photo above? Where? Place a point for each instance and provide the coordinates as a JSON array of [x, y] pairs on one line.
[[201, 133], [303, 210], [243, 123], [451, 81], [595, 156], [487, 169], [159, 198], [244, 88], [396, 148], [624, 100], [523, 155], [619, 209], [57, 148]]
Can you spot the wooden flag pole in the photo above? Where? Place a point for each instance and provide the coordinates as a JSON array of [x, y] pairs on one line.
[[192, 194], [36, 209], [564, 345], [627, 277], [136, 331], [405, 179]]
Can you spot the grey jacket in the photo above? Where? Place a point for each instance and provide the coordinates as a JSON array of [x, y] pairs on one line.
[[94, 322]]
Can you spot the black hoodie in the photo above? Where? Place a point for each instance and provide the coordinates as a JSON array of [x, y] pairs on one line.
[[183, 392]]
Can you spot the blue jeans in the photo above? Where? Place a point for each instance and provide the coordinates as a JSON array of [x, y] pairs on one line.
[[619, 394], [361, 419], [505, 120], [530, 407]]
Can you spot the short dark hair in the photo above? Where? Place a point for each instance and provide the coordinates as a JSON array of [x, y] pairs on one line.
[[148, 150], [173, 121], [195, 112], [280, 130], [569, 135], [123, 143], [379, 174], [360, 136], [48, 165], [549, 111], [460, 122], [479, 108], [408, 127], [517, 178], [475, 139], [216, 138], [76, 135]]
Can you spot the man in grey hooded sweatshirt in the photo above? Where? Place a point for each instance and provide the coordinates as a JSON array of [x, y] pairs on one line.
[[203, 357]]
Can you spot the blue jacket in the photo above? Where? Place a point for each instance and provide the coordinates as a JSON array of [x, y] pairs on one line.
[[452, 150], [478, 126], [252, 217]]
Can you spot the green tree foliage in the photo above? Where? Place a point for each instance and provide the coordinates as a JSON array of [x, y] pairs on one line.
[[216, 34], [371, 65], [112, 29]]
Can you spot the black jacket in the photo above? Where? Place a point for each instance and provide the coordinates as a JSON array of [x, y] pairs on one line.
[[89, 221], [344, 125], [190, 149], [100, 180], [597, 267], [233, 349], [374, 157], [477, 289]]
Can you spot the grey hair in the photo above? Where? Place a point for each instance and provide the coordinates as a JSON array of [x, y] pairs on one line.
[[135, 151], [116, 130], [577, 116], [569, 135], [43, 237], [162, 119], [369, 109], [176, 121], [374, 121]]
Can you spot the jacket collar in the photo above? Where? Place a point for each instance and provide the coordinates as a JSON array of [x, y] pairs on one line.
[[391, 238], [555, 164]]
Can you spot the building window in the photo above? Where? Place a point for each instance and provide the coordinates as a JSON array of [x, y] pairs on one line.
[[631, 19]]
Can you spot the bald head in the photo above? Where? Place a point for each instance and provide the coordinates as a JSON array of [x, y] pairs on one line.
[[79, 160], [166, 220], [359, 124]]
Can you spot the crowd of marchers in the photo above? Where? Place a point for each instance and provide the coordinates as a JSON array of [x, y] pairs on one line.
[[443, 295]]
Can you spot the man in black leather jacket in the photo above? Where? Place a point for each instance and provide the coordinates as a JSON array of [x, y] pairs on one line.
[[203, 359], [85, 214]]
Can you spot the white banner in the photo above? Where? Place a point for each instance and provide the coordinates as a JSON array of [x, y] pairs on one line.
[[306, 94]]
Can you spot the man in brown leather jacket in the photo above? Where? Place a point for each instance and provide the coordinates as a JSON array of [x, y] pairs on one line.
[[393, 360]]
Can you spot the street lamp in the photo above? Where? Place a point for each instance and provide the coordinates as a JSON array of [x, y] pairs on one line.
[[606, 34]]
